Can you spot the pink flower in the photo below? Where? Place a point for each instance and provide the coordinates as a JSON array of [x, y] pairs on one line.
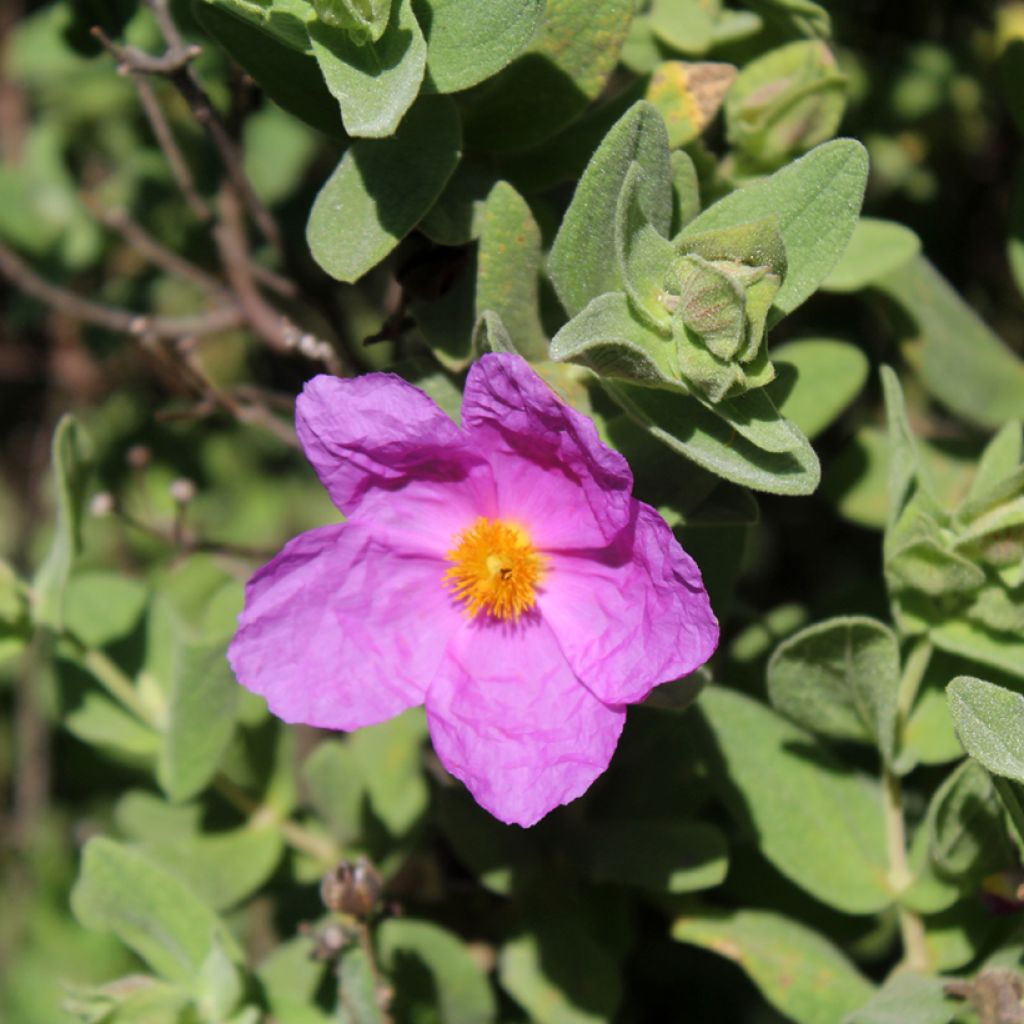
[[500, 573]]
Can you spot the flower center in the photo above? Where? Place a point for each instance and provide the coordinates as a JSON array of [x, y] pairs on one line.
[[494, 569]]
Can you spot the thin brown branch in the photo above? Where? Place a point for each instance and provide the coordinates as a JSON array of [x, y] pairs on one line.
[[131, 59], [279, 333], [113, 318], [158, 254]]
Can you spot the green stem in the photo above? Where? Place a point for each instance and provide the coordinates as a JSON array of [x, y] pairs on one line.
[[910, 682], [912, 932], [121, 688], [1009, 793], [113, 680]]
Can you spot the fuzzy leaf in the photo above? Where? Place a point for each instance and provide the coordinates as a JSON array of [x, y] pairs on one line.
[[580, 264], [786, 784], [1000, 650], [375, 83], [816, 202], [688, 96], [508, 269], [69, 463], [989, 722], [381, 189], [839, 678], [574, 50], [704, 437], [960, 360], [468, 41], [121, 890], [459, 988], [876, 249], [684, 25], [797, 970], [906, 998], [819, 377]]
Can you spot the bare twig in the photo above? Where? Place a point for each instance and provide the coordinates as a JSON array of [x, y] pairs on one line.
[[276, 330], [157, 253], [113, 318], [131, 59]]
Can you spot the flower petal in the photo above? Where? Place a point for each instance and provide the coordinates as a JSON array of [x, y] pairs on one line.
[[632, 616], [343, 628], [509, 718], [551, 470], [387, 453]]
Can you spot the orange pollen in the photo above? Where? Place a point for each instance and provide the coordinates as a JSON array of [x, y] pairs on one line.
[[495, 568]]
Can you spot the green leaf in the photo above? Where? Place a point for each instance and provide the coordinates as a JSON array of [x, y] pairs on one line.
[[643, 255], [580, 265], [69, 463], [574, 50], [375, 83], [608, 338], [290, 978], [785, 102], [334, 782], [989, 722], [202, 710], [839, 678], [219, 985], [468, 41], [1000, 650], [684, 25], [291, 79], [102, 723], [1015, 236], [122, 891], [960, 360], [455, 218], [284, 20], [365, 19], [661, 856], [222, 868], [906, 998], [461, 990], [390, 758], [559, 973], [817, 378], [876, 249], [787, 784], [795, 17], [100, 607], [685, 191], [1001, 458], [815, 200], [798, 971], [357, 993], [381, 189], [904, 460], [508, 269], [706, 438], [964, 825]]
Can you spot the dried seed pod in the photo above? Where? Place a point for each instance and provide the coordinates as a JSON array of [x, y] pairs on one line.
[[352, 888]]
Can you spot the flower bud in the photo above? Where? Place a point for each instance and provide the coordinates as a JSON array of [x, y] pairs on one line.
[[138, 456], [183, 490], [352, 888], [102, 505]]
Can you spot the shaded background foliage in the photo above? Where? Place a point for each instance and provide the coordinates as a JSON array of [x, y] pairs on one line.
[[737, 861]]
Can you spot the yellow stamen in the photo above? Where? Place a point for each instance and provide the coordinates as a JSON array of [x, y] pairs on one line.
[[495, 568]]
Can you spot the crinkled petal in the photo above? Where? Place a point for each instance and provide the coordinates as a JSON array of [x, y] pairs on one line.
[[551, 470], [632, 616], [343, 628], [387, 454], [508, 717]]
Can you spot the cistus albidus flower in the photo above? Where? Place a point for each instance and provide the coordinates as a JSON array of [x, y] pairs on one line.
[[500, 573]]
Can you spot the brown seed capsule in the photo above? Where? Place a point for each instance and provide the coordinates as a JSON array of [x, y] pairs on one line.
[[352, 888], [138, 456]]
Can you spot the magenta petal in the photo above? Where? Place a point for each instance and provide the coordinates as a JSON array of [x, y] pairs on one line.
[[633, 616], [343, 629], [508, 717], [387, 453], [552, 471]]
